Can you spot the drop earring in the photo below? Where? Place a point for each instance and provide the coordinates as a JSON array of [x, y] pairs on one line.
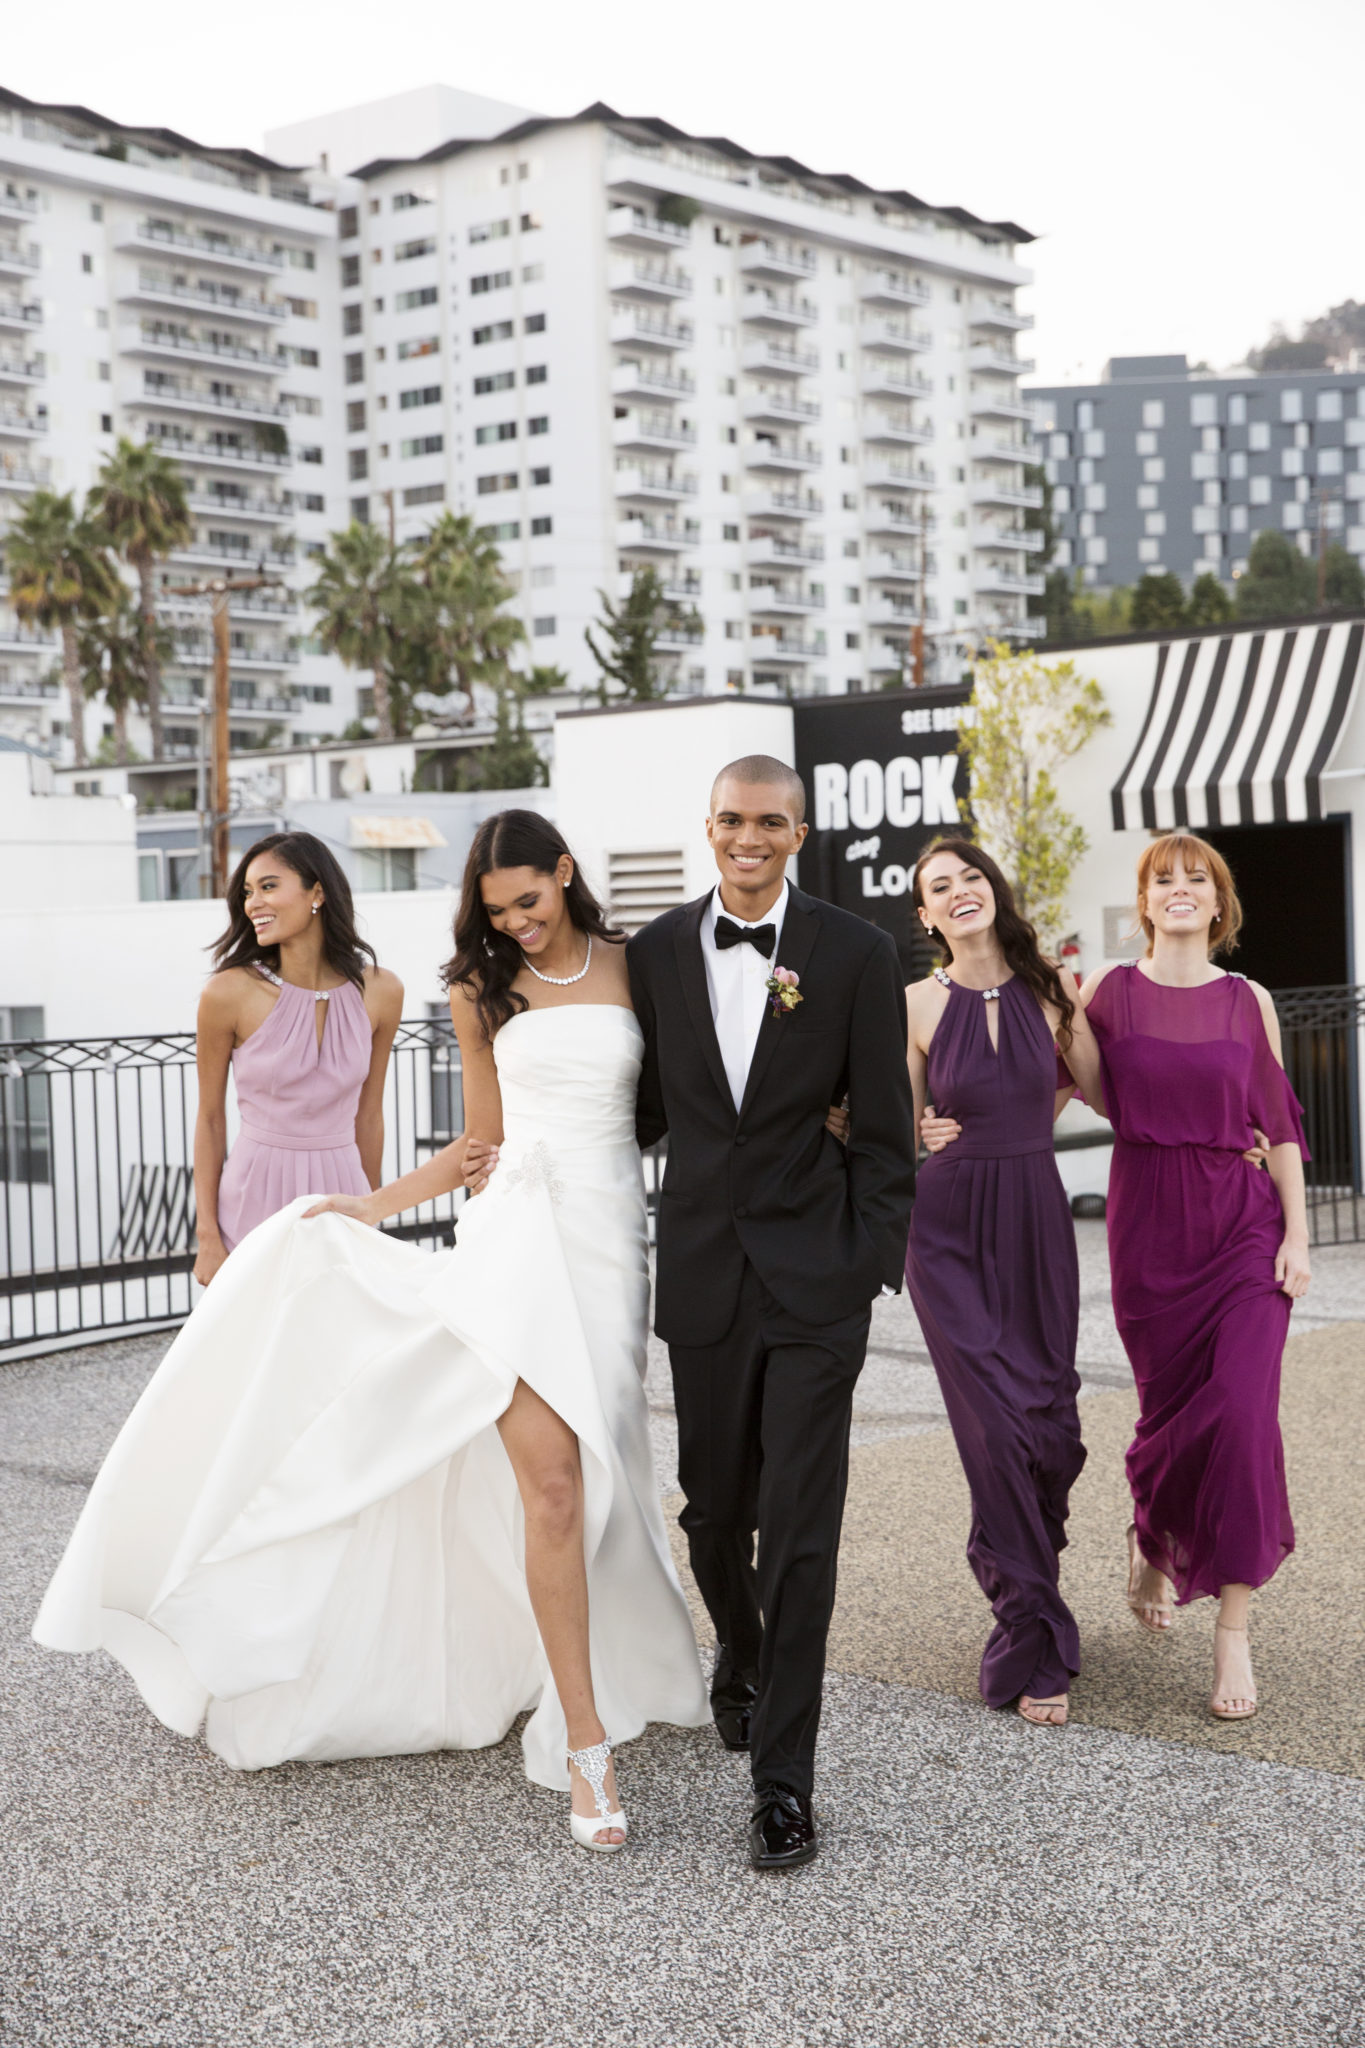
[[316, 908]]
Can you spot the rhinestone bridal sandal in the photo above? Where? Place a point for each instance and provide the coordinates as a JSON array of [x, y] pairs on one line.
[[586, 1827]]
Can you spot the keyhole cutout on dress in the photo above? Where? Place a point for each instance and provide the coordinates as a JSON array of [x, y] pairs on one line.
[[993, 1024], [321, 1010]]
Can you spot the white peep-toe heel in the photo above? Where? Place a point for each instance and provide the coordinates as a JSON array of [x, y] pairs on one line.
[[585, 1827]]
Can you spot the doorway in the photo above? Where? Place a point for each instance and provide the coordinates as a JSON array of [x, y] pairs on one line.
[[1294, 882]]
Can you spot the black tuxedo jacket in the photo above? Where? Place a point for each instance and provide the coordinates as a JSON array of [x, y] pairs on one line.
[[823, 1224]]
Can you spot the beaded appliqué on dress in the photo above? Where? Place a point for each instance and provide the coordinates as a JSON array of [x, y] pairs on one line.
[[988, 995], [537, 1170]]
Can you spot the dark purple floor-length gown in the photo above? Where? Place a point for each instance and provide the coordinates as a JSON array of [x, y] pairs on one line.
[[991, 1269], [1193, 1232]]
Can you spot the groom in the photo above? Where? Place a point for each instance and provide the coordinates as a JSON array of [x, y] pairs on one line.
[[773, 1241]]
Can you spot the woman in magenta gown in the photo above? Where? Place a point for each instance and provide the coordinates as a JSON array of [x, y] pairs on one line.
[[991, 1263], [305, 1025], [1206, 1251]]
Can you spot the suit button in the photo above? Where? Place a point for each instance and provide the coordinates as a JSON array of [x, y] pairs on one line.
[[741, 1212], [741, 1138]]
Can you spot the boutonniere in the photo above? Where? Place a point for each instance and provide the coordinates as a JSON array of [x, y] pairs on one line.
[[782, 987]]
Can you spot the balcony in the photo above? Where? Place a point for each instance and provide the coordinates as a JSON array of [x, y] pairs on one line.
[[634, 328], [893, 518], [780, 359], [25, 473], [652, 381], [772, 550], [179, 395], [267, 604], [645, 280], [999, 314], [1015, 629], [247, 556], [989, 355], [781, 406], [886, 473], [784, 505], [998, 404], [782, 601], [16, 317], [896, 430], [19, 259], [673, 638], [14, 206], [889, 658], [257, 506], [631, 227], [989, 448], [251, 308], [198, 647], [783, 261], [992, 576], [647, 484], [651, 537], [1026, 537], [167, 344], [18, 368], [894, 337], [902, 568], [16, 638], [24, 689], [881, 381], [218, 454], [226, 252], [789, 649], [1000, 491], [656, 431], [762, 307], [900, 613], [891, 288], [678, 588], [782, 458], [18, 425]]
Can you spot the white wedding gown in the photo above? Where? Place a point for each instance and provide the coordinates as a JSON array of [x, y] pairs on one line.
[[307, 1537]]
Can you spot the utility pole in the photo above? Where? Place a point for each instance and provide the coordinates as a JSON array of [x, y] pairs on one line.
[[218, 590]]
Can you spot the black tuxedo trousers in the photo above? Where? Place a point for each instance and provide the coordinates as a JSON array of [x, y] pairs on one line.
[[773, 1240]]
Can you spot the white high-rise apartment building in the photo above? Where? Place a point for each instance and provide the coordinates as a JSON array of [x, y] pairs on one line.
[[152, 288], [617, 345]]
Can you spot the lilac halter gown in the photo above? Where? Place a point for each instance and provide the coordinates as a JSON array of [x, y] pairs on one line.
[[298, 1101], [992, 1272], [1193, 1232]]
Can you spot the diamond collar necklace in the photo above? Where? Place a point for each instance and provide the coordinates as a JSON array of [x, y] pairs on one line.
[[563, 980]]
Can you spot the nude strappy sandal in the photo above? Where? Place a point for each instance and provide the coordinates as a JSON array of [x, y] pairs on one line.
[[585, 1828], [1219, 1708], [1141, 1608]]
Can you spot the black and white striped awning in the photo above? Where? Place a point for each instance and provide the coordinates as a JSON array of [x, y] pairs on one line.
[[1240, 727]]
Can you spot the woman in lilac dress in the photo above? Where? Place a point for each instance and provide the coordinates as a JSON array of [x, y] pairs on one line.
[[1207, 1252], [306, 1027], [991, 1265]]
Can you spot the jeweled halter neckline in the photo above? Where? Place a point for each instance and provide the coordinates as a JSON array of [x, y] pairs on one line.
[[988, 995], [319, 995]]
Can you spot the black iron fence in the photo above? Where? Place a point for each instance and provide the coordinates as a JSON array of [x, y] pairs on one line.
[[97, 1146]]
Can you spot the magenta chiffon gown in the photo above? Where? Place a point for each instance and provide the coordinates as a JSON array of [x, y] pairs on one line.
[[1193, 1232], [992, 1272], [297, 1100]]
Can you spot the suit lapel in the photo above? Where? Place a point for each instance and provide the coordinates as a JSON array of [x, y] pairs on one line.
[[800, 930], [697, 994]]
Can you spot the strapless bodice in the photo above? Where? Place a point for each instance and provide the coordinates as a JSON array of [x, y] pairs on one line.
[[569, 1075]]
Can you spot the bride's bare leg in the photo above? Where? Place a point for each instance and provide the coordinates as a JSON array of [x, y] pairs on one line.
[[544, 1455]]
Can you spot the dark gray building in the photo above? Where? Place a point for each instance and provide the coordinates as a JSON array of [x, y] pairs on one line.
[[1159, 467]]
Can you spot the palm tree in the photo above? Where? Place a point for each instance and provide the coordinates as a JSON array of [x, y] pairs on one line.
[[362, 608], [465, 634], [60, 575], [139, 500], [111, 655]]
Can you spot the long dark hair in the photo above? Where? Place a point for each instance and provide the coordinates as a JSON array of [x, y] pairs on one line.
[[315, 866], [486, 962], [1018, 939]]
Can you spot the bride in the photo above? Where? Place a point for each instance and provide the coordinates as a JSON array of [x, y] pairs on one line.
[[378, 1500]]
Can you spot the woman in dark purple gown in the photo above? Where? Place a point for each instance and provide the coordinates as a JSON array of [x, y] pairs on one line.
[[1206, 1252], [991, 1263]]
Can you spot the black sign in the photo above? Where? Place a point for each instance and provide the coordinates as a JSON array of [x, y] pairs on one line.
[[883, 777]]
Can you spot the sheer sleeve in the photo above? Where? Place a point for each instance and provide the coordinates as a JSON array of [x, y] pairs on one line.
[[1273, 1103]]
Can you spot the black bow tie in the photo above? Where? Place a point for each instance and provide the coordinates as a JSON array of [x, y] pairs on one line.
[[762, 937]]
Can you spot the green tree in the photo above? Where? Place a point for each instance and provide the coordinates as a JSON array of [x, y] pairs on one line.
[[511, 760], [1039, 519], [1158, 604], [363, 603], [632, 630], [1064, 623], [545, 679], [140, 503], [1278, 580], [111, 655], [1103, 614], [1027, 714], [60, 577], [1209, 603], [1343, 580], [460, 632]]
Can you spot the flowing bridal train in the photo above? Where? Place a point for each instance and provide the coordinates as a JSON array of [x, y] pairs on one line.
[[307, 1538]]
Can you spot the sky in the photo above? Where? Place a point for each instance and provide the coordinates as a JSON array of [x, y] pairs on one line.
[[1192, 168]]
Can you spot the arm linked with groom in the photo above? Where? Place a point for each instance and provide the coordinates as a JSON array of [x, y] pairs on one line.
[[773, 1240]]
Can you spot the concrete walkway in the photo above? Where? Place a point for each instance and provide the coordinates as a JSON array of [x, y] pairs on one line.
[[1143, 1879]]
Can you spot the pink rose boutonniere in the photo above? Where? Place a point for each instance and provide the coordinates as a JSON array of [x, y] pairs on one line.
[[782, 987]]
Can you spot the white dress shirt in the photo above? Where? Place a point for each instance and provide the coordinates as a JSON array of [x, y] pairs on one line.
[[737, 981]]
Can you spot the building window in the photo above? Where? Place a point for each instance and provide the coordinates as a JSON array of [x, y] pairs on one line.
[[424, 246], [496, 430], [540, 476], [1147, 444], [424, 444], [539, 425], [419, 345], [425, 295], [1154, 470], [1085, 415], [1155, 522], [388, 868], [303, 309], [310, 501], [530, 222], [538, 373], [1148, 497], [510, 529], [1291, 406], [1258, 491], [1329, 461], [1093, 443], [532, 273], [1258, 436], [502, 381], [1329, 405], [1237, 409], [542, 628], [1059, 446], [358, 465], [26, 1126], [491, 281], [1291, 462], [348, 222], [853, 641], [355, 369], [534, 323], [500, 330], [106, 423], [360, 511], [1149, 551], [355, 416], [307, 453], [1204, 409], [506, 480], [490, 230], [350, 272], [423, 394], [542, 526], [1153, 412], [424, 494]]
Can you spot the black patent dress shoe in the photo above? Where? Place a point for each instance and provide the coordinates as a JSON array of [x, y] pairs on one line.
[[782, 1831], [732, 1723], [732, 1704]]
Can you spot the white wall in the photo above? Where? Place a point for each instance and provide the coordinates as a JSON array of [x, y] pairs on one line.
[[59, 851], [639, 781], [134, 969]]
